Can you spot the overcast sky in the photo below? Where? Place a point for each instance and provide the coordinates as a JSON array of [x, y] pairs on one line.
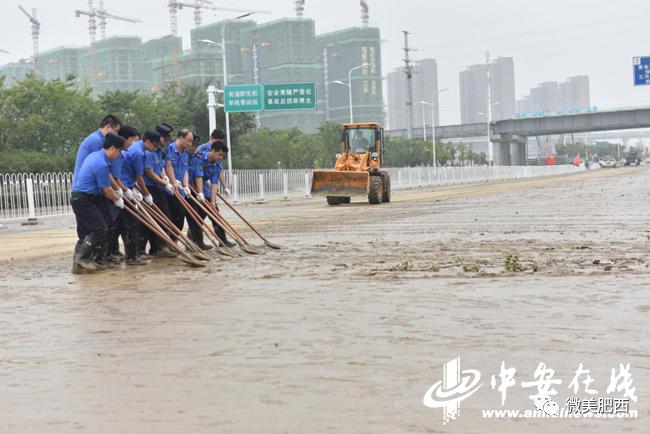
[[550, 40]]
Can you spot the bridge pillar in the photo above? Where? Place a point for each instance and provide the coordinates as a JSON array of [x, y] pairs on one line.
[[510, 150]]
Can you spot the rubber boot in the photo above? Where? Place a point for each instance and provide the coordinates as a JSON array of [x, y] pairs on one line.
[[85, 253], [101, 257], [142, 247], [76, 267], [131, 248], [195, 234], [222, 236], [115, 256], [100, 252]]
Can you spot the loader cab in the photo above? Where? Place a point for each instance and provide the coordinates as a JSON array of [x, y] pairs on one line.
[[363, 139]]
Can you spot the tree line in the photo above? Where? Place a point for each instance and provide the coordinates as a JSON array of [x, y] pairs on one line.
[[42, 123]]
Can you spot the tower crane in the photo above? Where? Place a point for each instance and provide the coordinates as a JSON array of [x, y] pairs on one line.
[[100, 15], [36, 30]]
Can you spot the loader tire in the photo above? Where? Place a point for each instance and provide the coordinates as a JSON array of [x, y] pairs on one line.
[[385, 196], [345, 200], [375, 191], [333, 200]]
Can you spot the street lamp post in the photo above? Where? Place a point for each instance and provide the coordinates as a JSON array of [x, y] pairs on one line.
[[222, 45], [424, 122], [212, 106], [433, 123], [349, 86]]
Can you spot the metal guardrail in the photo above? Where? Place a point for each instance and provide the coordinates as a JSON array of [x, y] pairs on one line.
[[26, 195]]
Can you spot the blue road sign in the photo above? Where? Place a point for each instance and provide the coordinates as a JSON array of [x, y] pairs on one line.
[[642, 71]]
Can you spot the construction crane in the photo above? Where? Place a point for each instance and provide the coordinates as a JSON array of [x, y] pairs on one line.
[[365, 14], [4, 52], [198, 5], [300, 8], [101, 15], [36, 30]]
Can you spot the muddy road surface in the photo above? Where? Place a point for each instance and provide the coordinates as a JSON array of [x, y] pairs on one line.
[[345, 329]]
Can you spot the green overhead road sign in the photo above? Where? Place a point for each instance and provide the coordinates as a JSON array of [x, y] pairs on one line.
[[290, 96], [244, 98]]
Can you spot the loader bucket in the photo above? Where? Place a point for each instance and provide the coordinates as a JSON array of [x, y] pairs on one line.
[[344, 184]]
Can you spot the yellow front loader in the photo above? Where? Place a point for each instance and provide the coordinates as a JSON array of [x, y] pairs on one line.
[[357, 171]]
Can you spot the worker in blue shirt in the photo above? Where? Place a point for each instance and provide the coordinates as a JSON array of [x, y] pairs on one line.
[[130, 135], [159, 188], [133, 178], [95, 141], [176, 165], [165, 130], [90, 185], [207, 171]]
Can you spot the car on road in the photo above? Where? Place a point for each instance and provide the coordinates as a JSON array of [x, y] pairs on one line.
[[607, 162]]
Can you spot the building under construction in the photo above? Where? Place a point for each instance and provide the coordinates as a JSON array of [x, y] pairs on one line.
[[281, 51], [59, 63], [15, 71], [114, 63], [340, 52], [284, 51]]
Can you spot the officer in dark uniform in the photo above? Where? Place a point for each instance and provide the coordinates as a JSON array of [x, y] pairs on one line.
[[133, 178], [206, 171], [130, 135], [160, 188], [90, 185], [176, 164]]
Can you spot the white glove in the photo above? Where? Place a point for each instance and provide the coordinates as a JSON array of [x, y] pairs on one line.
[[165, 178], [138, 196], [119, 192], [227, 191], [129, 194], [179, 184], [148, 199], [169, 188], [200, 197], [119, 203], [187, 191]]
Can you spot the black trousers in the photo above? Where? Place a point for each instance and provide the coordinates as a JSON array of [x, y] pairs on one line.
[[162, 202], [177, 211], [91, 215]]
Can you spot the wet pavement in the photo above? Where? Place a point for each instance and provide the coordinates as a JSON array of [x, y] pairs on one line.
[[346, 328]]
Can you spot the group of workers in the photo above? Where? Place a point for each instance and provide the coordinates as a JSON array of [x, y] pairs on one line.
[[116, 164]]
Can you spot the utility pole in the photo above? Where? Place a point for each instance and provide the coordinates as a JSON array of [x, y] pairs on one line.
[[256, 78], [489, 110], [326, 83], [408, 71]]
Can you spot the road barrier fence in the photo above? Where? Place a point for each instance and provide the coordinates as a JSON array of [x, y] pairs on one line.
[[33, 195]]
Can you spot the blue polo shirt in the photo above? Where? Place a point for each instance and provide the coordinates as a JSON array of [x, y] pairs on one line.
[[195, 160], [208, 171], [116, 166], [179, 160], [92, 143], [153, 160], [133, 163], [92, 176]]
